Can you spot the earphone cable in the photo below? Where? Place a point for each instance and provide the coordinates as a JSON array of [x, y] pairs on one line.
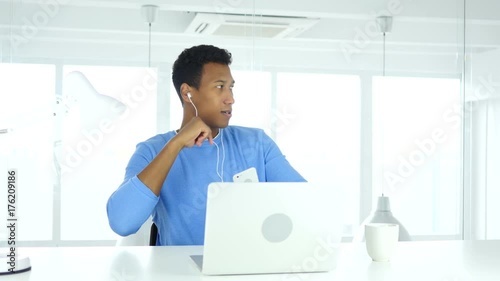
[[195, 109], [221, 174], [223, 153]]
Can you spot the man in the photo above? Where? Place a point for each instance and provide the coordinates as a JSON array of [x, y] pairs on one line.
[[168, 175]]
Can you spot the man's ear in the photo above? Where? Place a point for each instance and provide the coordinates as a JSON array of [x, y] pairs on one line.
[[185, 89]]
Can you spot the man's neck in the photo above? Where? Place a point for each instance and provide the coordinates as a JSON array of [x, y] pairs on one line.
[[215, 132]]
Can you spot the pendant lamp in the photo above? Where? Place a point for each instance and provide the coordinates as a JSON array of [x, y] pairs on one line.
[[383, 213], [149, 14]]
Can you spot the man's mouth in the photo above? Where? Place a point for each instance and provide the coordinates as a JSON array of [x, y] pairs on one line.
[[227, 113]]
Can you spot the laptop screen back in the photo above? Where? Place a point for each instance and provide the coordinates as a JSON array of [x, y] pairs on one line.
[[271, 228]]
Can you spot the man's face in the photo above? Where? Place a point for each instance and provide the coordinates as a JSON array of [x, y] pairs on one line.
[[214, 98]]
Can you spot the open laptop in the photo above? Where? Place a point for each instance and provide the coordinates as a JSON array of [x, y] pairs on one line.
[[254, 228]]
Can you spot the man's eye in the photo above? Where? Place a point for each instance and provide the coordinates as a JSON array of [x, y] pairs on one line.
[[219, 86]]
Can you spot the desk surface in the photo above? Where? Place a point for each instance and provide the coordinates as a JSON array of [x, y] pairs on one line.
[[436, 260]]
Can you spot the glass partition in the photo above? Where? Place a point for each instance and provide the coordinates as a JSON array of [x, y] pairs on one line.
[[481, 111], [83, 82]]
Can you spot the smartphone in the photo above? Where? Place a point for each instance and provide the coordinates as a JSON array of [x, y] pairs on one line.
[[249, 175]]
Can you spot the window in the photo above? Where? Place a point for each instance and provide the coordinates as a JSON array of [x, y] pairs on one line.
[[317, 123], [26, 119], [70, 150], [252, 95], [416, 151], [109, 111], [86, 133]]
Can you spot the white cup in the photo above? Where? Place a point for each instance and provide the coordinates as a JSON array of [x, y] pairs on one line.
[[381, 239]]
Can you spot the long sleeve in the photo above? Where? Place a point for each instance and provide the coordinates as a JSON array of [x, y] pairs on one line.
[[133, 202]]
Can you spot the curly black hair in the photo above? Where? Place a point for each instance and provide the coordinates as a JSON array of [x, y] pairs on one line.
[[189, 65]]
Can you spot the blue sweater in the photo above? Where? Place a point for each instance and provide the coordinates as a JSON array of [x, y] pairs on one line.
[[179, 210]]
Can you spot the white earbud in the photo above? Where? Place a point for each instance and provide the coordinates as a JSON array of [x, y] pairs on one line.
[[189, 97]]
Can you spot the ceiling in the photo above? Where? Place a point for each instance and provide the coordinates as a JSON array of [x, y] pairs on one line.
[[423, 28]]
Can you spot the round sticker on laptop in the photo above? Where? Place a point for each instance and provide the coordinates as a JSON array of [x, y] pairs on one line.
[[277, 227]]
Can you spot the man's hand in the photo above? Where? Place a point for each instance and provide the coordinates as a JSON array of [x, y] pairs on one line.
[[194, 133], [154, 174]]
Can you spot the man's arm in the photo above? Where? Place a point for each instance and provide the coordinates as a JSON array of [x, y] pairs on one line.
[[132, 203], [155, 173]]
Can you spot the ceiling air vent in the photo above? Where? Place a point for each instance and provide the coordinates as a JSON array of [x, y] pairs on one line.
[[249, 25]]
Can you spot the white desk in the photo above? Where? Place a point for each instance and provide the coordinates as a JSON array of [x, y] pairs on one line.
[[439, 260]]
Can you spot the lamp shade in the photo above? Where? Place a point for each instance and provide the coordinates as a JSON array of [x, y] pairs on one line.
[[383, 214]]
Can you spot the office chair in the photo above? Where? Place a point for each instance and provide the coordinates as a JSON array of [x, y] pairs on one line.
[[153, 235]]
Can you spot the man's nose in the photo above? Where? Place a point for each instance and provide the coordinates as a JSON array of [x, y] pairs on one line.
[[229, 99]]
